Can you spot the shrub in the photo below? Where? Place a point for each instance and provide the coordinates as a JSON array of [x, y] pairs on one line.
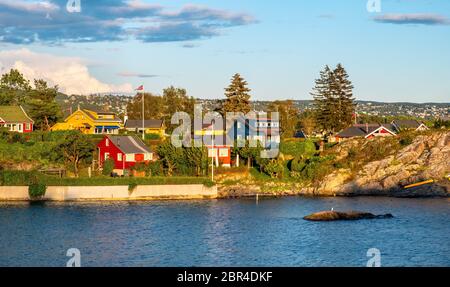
[[150, 169], [406, 140], [108, 167], [274, 169], [37, 190], [305, 148], [152, 137], [131, 187]]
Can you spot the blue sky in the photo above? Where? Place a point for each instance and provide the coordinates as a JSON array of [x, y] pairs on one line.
[[399, 54]]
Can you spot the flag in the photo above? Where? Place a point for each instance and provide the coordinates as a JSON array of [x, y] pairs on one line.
[[140, 88]]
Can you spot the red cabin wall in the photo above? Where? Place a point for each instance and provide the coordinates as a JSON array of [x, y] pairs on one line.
[[113, 152], [27, 130], [223, 160]]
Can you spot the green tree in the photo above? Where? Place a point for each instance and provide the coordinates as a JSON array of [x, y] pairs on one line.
[[307, 122], [13, 88], [333, 99], [288, 114], [176, 100], [171, 156], [42, 105], [154, 107], [237, 96], [251, 154], [197, 158], [343, 92], [75, 148]]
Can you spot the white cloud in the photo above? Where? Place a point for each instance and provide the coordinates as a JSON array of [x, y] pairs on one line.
[[70, 74], [38, 7]]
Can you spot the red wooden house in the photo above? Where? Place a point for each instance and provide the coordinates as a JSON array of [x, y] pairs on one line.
[[366, 131], [126, 151], [15, 119], [220, 151]]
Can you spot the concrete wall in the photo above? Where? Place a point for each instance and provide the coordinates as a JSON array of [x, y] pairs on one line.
[[141, 192]]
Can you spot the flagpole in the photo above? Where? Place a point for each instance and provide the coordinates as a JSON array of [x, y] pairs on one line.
[[143, 115], [214, 156]]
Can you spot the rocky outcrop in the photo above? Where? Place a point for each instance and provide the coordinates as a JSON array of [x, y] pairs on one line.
[[427, 157], [351, 215]]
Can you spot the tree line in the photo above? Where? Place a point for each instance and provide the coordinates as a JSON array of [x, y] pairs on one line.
[[39, 101]]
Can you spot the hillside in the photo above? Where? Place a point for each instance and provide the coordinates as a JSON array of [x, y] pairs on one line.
[[427, 157], [380, 166]]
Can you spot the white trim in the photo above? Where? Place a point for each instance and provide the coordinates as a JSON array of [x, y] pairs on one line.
[[26, 114], [422, 125], [381, 127]]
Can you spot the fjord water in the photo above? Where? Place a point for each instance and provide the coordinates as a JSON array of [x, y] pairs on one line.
[[236, 232]]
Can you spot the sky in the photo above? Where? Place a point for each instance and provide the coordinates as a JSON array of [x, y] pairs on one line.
[[393, 50]]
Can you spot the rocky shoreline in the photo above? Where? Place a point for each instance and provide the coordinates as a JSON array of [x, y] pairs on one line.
[[441, 189], [427, 157]]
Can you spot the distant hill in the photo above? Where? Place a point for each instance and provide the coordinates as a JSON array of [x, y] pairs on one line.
[[118, 104]]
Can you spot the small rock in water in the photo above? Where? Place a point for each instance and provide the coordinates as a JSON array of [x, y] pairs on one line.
[[352, 215]]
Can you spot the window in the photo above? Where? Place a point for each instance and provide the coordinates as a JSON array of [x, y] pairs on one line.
[[19, 127], [106, 155], [119, 157], [148, 156], [223, 152], [129, 158], [212, 152], [107, 142], [28, 126]]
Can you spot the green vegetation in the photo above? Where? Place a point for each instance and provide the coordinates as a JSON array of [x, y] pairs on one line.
[[237, 96], [24, 178], [288, 117], [131, 187], [333, 99], [304, 148], [40, 101], [108, 167], [274, 169], [37, 190]]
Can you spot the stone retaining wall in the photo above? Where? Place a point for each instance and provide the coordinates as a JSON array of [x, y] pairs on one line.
[[141, 192]]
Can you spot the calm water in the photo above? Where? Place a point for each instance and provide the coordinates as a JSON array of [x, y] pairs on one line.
[[225, 233]]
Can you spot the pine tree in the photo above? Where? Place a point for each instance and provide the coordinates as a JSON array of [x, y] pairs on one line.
[[333, 99], [323, 100], [343, 91], [42, 105], [237, 96]]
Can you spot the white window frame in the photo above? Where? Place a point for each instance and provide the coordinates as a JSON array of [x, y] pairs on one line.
[[119, 157], [107, 155], [223, 152]]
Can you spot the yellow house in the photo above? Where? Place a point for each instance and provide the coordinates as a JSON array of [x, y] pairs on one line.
[[155, 127], [90, 122]]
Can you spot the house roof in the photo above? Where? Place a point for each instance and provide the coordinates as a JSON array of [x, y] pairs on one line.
[[300, 134], [13, 114], [129, 144], [152, 124], [94, 118], [363, 130], [407, 124]]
